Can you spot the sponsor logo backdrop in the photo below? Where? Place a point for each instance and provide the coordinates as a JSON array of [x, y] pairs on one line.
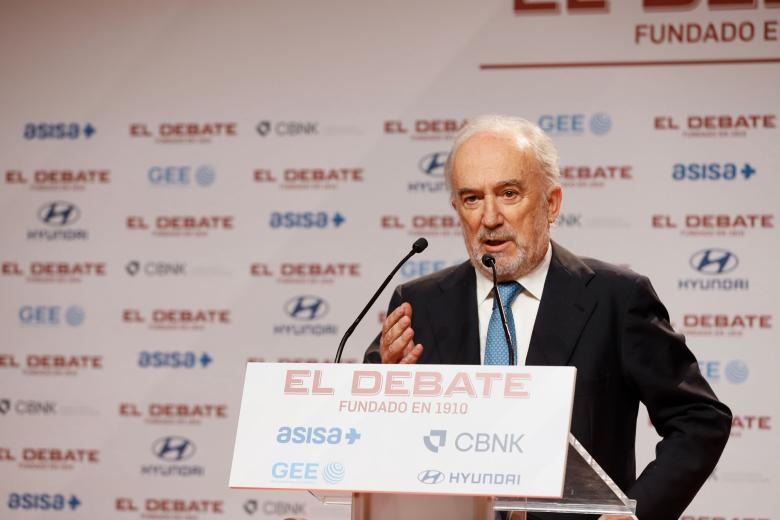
[[187, 186]]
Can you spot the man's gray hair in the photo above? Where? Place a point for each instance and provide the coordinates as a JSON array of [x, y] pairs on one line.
[[540, 144]]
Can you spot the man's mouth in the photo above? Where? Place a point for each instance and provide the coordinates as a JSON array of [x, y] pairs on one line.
[[495, 245]]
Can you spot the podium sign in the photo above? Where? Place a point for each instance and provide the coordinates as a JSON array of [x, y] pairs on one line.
[[433, 429]]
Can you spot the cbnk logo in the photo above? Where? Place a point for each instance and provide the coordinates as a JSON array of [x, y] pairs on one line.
[[479, 442], [57, 130], [59, 213], [42, 501], [181, 175], [575, 124], [306, 308], [305, 219], [714, 261], [51, 315], [173, 449], [433, 164], [332, 473]]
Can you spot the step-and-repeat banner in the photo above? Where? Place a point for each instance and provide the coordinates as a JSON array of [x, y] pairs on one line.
[[186, 186]]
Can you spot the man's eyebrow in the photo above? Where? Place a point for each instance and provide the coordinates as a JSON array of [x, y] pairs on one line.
[[503, 184], [465, 191], [510, 182]]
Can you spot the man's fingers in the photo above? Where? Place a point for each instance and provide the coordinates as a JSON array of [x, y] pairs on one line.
[[392, 318], [413, 355], [396, 341]]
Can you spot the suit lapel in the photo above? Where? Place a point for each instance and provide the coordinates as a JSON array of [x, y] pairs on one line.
[[564, 310], [453, 313]]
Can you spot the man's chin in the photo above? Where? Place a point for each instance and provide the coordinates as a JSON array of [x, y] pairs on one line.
[[506, 269]]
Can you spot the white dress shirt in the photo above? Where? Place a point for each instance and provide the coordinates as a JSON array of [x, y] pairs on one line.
[[524, 307]]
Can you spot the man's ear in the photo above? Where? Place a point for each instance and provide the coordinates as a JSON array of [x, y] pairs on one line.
[[554, 197]]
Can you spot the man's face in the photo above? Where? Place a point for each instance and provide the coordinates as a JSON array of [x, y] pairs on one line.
[[505, 208]]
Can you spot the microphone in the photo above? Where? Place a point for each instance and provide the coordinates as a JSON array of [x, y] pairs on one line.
[[418, 247], [489, 261]]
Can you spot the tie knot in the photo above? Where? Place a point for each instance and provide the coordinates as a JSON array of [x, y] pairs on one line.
[[508, 291]]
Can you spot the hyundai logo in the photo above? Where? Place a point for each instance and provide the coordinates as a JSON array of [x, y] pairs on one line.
[[714, 261], [59, 213], [430, 476], [306, 308], [433, 163], [173, 449]]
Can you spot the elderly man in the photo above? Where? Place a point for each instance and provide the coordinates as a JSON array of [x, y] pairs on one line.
[[565, 310]]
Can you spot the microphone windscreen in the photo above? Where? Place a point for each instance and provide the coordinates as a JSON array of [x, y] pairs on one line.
[[488, 260], [419, 245]]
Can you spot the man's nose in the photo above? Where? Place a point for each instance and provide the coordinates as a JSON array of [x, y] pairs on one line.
[[492, 216]]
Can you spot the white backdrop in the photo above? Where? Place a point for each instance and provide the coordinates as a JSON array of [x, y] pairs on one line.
[[187, 185]]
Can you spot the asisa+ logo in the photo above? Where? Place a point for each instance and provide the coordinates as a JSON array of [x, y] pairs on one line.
[[58, 130], [306, 219], [715, 171], [42, 501], [174, 359]]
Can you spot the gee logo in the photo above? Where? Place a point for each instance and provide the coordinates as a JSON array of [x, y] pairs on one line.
[[40, 315], [332, 472], [599, 124]]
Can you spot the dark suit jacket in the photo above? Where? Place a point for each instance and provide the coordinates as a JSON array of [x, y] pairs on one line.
[[609, 323]]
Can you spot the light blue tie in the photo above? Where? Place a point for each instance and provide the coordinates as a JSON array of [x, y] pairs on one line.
[[496, 351]]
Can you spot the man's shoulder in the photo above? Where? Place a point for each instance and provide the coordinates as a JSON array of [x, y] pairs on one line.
[[594, 269]]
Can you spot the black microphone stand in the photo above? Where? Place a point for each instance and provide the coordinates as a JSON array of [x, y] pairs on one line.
[[489, 261], [418, 247]]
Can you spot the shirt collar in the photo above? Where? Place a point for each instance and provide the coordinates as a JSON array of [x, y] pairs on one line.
[[533, 282]]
